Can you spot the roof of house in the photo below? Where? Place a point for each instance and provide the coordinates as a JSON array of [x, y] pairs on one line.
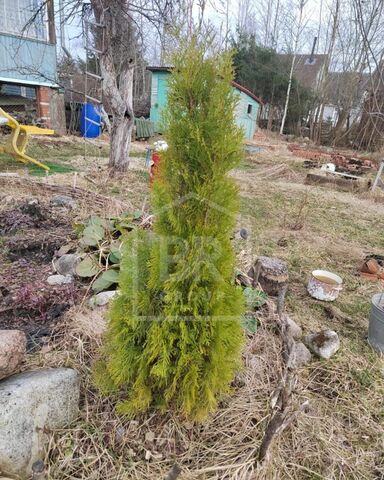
[[234, 84], [307, 67], [159, 69], [247, 92]]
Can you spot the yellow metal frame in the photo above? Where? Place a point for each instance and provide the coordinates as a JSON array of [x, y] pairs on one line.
[[18, 140]]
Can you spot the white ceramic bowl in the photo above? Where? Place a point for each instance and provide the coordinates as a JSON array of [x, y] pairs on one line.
[[319, 288]]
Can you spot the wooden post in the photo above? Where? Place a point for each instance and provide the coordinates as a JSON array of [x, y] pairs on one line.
[[378, 181], [51, 22]]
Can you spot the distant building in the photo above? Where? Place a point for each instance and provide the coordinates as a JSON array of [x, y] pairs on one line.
[[28, 80], [344, 92], [308, 69], [246, 113]]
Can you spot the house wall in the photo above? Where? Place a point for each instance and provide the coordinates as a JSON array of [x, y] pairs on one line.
[[28, 57], [247, 111], [330, 113], [15, 18], [26, 61], [159, 94]]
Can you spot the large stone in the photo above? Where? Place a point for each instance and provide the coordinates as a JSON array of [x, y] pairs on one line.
[[102, 298], [66, 264], [59, 279], [324, 343], [12, 350], [31, 405], [300, 356], [293, 329], [63, 201]]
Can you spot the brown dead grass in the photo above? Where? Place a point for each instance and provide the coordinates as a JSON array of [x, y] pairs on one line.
[[337, 439], [342, 436]]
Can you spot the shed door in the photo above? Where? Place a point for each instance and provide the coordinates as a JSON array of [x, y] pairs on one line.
[[247, 115], [162, 94]]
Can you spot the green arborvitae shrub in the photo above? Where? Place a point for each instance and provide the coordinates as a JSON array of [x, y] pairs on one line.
[[174, 338]]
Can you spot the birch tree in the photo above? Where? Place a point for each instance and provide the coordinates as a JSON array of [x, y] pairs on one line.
[[297, 34], [334, 22]]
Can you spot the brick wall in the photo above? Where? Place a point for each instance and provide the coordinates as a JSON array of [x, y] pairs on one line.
[[43, 105], [51, 109]]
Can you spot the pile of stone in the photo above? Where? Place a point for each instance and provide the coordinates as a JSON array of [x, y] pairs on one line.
[[271, 274], [32, 405]]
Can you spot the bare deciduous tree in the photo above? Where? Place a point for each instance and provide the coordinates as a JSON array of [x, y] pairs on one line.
[[297, 34]]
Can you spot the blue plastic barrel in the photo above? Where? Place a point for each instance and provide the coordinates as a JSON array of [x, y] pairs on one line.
[[90, 121]]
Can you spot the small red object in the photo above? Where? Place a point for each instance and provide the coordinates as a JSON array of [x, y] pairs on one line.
[[154, 166]]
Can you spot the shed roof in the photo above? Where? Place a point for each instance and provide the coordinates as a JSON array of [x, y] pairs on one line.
[[234, 84]]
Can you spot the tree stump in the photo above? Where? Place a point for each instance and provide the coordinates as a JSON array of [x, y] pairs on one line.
[[271, 273]]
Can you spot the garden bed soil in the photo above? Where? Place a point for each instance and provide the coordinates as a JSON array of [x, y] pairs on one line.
[[31, 231]]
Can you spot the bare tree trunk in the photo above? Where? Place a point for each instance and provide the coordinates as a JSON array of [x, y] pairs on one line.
[[325, 78], [297, 37], [121, 134], [288, 94], [271, 114], [271, 110], [114, 38], [122, 124]]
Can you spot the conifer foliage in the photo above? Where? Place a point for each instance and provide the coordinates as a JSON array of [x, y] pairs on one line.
[[174, 337]]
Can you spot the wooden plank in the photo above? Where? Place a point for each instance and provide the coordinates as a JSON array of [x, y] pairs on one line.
[[346, 183], [342, 174], [378, 181]]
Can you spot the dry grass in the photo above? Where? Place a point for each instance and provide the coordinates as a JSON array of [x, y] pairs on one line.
[[342, 436], [104, 446]]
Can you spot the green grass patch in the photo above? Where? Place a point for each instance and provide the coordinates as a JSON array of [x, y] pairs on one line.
[[65, 151], [8, 163], [54, 168]]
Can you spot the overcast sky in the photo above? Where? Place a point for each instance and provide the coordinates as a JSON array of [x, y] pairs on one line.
[[215, 13]]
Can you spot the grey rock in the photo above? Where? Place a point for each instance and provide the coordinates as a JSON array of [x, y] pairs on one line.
[[102, 298], [66, 264], [59, 279], [244, 233], [324, 344], [63, 201], [32, 404], [293, 329], [300, 356], [12, 350]]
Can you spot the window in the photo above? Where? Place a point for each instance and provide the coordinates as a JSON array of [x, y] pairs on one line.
[[249, 109], [16, 16], [17, 90]]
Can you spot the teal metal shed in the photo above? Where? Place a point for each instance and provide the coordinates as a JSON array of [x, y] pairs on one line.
[[247, 110]]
